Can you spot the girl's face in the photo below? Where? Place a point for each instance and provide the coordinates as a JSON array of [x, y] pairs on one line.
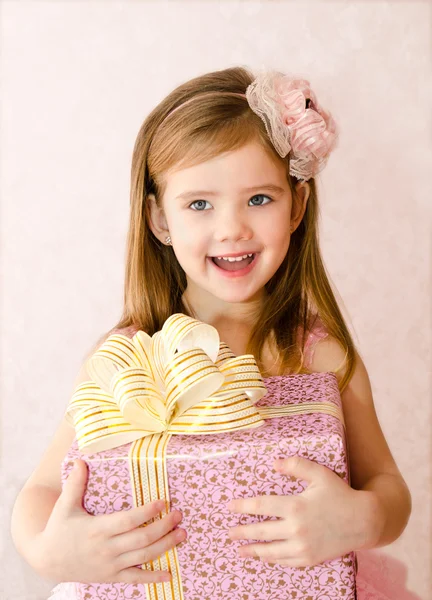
[[237, 204]]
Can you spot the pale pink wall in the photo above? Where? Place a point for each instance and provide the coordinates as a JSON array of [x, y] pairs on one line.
[[77, 80]]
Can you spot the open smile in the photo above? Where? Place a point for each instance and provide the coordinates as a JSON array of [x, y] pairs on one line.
[[234, 266]]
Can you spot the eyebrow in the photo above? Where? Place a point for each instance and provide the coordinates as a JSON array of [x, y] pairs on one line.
[[266, 186]]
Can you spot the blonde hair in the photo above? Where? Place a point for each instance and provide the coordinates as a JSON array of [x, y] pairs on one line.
[[155, 281]]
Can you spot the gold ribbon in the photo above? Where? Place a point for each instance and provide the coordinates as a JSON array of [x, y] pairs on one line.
[[182, 380]]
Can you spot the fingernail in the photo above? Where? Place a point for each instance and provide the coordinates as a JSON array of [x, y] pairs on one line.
[[166, 577]]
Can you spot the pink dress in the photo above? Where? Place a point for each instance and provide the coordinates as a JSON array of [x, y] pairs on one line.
[[379, 577]]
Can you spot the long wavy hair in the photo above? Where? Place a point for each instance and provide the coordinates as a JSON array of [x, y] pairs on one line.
[[298, 292]]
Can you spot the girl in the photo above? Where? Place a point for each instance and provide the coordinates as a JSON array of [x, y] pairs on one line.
[[224, 228]]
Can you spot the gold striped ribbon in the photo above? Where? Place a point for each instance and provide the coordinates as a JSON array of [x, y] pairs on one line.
[[149, 482], [182, 379]]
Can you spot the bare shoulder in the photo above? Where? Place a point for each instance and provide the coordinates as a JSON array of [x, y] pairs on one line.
[[369, 452], [329, 356]]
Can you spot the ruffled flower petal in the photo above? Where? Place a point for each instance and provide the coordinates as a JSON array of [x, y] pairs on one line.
[[294, 120]]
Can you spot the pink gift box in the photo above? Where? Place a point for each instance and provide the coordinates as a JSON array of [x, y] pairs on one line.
[[205, 472]]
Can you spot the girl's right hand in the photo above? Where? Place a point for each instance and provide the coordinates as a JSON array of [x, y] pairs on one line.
[[77, 546]]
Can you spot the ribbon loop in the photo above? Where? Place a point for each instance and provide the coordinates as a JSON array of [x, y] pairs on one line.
[[190, 375], [139, 399], [183, 333]]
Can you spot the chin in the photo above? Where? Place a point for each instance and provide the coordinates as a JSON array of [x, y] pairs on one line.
[[235, 297]]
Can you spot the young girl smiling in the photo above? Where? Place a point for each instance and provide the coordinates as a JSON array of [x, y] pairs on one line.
[[224, 228]]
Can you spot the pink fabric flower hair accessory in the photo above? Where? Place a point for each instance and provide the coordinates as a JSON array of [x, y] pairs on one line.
[[294, 121]]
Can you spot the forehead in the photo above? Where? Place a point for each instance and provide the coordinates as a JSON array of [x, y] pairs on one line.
[[245, 167]]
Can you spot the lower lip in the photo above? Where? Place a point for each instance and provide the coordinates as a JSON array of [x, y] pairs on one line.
[[239, 273]]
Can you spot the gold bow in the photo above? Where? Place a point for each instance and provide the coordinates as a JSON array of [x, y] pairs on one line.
[[181, 380]]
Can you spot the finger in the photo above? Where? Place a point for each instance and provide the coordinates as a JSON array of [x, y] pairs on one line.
[[266, 531], [300, 468], [71, 497], [271, 551], [126, 520], [140, 537], [270, 506], [145, 555], [135, 575]]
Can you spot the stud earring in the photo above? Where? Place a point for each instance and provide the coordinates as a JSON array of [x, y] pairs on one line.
[[168, 240]]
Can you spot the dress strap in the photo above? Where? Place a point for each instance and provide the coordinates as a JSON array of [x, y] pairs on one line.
[[128, 331], [316, 334]]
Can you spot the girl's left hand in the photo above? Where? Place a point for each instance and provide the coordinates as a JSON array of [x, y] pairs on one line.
[[326, 521]]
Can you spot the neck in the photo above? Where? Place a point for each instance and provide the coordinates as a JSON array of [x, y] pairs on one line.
[[238, 316]]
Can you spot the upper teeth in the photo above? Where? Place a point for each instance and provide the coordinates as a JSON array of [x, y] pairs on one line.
[[233, 258]]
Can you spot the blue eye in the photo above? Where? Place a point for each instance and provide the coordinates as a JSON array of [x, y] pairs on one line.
[[260, 196], [200, 204]]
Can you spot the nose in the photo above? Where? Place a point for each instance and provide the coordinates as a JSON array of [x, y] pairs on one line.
[[232, 225]]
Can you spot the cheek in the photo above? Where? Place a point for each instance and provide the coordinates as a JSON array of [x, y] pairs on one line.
[[190, 245], [280, 241], [281, 237], [191, 237], [276, 229]]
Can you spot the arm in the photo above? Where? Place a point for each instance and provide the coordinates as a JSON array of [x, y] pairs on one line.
[[37, 498], [390, 510], [384, 504]]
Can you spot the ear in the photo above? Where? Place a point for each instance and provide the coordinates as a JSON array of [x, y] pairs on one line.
[[299, 203], [157, 220]]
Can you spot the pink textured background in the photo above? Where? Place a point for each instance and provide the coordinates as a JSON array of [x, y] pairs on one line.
[[77, 80]]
